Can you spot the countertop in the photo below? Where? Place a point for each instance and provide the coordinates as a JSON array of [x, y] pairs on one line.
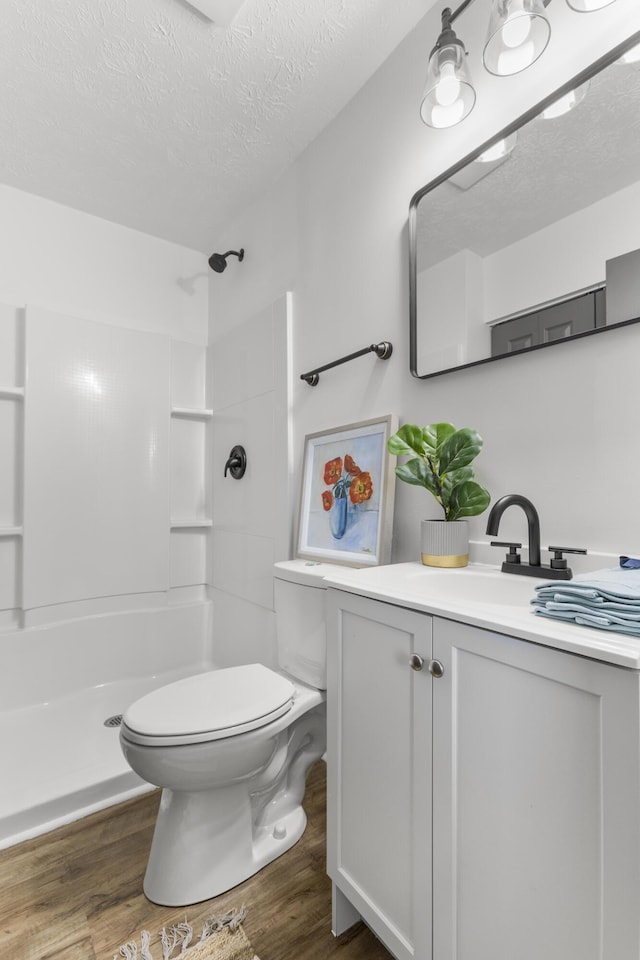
[[415, 586]]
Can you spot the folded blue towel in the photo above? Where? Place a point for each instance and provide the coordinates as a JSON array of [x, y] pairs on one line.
[[607, 599], [633, 630], [594, 604], [607, 613], [613, 584]]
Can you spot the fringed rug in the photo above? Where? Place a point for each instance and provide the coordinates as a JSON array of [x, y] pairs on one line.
[[222, 938]]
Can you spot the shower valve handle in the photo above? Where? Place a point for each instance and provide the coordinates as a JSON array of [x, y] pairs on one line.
[[237, 462]]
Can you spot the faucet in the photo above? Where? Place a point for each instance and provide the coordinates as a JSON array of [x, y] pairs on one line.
[[557, 570], [533, 522]]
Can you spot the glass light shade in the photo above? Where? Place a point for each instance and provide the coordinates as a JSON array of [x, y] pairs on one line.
[[499, 150], [518, 34], [566, 103], [449, 95], [586, 6]]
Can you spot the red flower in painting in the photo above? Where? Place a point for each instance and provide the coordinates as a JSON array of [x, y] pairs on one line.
[[361, 488], [327, 499], [350, 466], [332, 471]]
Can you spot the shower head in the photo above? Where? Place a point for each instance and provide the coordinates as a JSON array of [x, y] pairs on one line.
[[218, 261]]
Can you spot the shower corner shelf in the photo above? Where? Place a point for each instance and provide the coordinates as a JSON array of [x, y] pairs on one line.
[[11, 393], [10, 531], [191, 413], [190, 524]]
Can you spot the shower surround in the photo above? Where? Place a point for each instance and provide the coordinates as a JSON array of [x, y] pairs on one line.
[[58, 686], [104, 516]]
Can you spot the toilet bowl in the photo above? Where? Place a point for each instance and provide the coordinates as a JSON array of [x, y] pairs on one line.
[[231, 749]]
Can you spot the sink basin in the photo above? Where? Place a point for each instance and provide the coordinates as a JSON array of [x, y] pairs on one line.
[[477, 584], [474, 586]]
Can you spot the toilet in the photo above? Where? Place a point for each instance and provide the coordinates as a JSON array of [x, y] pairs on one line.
[[231, 749]]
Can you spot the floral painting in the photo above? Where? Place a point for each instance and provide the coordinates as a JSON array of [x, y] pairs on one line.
[[347, 494]]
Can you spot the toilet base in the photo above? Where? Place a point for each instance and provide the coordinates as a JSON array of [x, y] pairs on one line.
[[208, 841], [195, 856]]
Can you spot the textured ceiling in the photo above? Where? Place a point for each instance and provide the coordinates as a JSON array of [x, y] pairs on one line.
[[145, 113]]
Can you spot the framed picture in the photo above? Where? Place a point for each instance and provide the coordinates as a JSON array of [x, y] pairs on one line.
[[346, 503]]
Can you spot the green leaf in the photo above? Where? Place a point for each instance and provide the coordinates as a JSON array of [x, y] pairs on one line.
[[467, 499], [407, 442], [458, 476], [439, 460], [459, 450], [435, 434], [416, 472]]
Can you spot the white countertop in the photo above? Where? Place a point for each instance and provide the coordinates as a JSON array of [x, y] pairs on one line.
[[435, 591]]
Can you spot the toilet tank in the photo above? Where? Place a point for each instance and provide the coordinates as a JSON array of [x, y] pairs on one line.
[[299, 601]]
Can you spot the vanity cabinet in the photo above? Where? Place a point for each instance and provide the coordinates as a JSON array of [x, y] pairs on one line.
[[492, 812], [379, 769]]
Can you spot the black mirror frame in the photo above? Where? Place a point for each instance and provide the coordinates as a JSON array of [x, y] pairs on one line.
[[596, 67]]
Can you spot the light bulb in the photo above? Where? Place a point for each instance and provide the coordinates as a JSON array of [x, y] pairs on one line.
[[442, 117], [448, 88], [517, 35], [516, 28], [448, 95], [517, 59]]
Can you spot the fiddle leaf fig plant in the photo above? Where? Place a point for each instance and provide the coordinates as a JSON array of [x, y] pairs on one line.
[[440, 458]]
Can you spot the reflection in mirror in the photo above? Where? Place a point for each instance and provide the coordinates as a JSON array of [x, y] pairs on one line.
[[537, 242]]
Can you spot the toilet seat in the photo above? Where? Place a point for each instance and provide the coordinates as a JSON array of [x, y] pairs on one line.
[[209, 706]]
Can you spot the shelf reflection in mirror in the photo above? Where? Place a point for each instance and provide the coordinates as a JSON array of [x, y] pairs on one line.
[[515, 253]]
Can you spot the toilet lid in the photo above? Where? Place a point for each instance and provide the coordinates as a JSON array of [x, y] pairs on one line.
[[210, 706]]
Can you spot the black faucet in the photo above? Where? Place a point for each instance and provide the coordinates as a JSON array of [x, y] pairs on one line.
[[533, 521], [557, 570]]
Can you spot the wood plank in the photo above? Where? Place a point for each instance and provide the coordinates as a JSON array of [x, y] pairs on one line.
[[76, 893]]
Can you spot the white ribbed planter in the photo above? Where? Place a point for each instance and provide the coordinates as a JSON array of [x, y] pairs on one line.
[[445, 543]]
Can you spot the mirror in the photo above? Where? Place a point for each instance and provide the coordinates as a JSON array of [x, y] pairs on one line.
[[538, 247]]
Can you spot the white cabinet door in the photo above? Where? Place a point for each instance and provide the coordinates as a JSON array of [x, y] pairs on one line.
[[535, 809], [379, 768]]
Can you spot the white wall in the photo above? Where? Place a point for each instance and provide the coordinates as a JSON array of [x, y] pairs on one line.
[[252, 521], [73, 263], [557, 425]]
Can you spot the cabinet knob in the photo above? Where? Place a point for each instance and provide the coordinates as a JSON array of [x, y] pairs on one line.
[[436, 669], [416, 662]]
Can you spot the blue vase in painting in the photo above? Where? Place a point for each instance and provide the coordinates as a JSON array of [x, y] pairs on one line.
[[338, 518]]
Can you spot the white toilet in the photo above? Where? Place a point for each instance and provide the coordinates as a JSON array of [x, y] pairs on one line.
[[231, 749]]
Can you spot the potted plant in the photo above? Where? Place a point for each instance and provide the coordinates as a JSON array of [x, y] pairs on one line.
[[440, 458]]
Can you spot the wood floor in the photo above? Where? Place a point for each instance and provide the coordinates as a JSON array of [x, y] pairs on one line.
[[76, 893]]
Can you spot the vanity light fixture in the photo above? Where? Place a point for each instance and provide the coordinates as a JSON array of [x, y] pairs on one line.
[[449, 95], [518, 34]]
